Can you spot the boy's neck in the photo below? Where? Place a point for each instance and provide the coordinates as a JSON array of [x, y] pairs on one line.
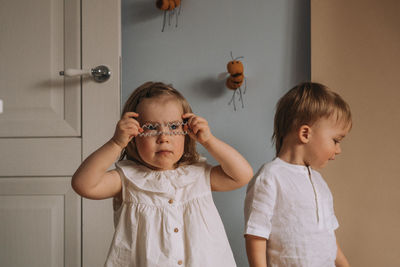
[[292, 153]]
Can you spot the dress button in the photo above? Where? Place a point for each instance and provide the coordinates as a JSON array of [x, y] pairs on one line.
[[170, 201], [176, 230], [180, 262]]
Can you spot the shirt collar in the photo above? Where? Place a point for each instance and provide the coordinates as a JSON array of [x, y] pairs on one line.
[[294, 167]]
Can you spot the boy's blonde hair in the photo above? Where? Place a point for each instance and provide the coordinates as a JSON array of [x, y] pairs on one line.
[[152, 90], [305, 104]]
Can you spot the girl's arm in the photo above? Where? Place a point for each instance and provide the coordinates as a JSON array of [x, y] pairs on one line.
[[341, 260], [256, 248], [234, 171], [92, 180]]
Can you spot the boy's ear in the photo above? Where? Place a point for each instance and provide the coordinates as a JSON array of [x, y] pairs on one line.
[[304, 134]]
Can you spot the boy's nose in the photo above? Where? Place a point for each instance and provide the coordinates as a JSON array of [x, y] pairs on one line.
[[338, 150]]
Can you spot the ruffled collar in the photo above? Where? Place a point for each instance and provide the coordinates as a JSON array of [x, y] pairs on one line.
[[166, 181]]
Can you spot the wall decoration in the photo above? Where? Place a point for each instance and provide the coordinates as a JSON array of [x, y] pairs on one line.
[[235, 80], [170, 7]]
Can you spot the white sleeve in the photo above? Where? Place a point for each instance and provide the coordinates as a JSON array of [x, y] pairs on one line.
[[333, 220], [327, 202], [259, 204]]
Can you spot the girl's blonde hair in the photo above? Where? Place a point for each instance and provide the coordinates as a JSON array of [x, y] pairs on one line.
[[151, 90], [305, 104]]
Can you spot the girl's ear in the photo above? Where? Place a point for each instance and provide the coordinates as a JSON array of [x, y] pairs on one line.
[[304, 134]]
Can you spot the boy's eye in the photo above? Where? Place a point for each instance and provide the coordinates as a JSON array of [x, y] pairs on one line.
[[336, 141]]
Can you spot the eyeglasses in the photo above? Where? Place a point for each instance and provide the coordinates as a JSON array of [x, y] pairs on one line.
[[155, 129]]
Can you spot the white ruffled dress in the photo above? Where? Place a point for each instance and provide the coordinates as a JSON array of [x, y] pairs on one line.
[[168, 218]]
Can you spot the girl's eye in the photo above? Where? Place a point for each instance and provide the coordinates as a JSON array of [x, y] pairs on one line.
[[150, 127], [336, 141], [174, 126]]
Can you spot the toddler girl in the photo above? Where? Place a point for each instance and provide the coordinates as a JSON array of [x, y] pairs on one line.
[[166, 215]]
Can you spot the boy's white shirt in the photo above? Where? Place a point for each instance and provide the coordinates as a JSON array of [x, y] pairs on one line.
[[295, 213]]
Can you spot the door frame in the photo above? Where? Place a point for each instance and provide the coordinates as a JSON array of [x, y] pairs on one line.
[[101, 45]]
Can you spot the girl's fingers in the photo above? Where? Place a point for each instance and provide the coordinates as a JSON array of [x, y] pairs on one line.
[[187, 115], [198, 124], [128, 122], [130, 117], [196, 130], [192, 135], [130, 128], [132, 123], [130, 114], [197, 127], [192, 119]]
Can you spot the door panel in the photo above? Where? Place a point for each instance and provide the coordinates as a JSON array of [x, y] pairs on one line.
[[39, 156], [31, 226], [39, 222], [34, 47]]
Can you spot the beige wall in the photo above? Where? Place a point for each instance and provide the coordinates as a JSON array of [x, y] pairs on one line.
[[355, 50]]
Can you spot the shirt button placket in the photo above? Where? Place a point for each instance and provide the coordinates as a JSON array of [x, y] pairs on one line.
[[179, 245], [176, 237]]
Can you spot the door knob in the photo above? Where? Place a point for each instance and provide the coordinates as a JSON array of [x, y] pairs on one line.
[[100, 73]]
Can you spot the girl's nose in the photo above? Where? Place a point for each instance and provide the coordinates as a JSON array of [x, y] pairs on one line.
[[162, 138]]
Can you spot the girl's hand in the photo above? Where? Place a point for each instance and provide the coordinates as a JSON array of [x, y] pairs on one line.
[[127, 128], [197, 128]]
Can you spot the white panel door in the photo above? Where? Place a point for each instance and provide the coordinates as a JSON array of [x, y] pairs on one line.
[[49, 123]]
